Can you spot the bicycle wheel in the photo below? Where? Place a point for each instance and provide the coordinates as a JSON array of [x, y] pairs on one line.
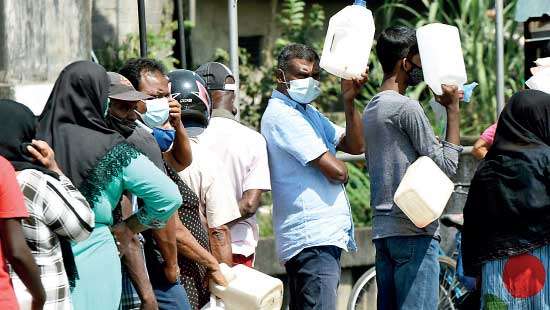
[[451, 291], [363, 294]]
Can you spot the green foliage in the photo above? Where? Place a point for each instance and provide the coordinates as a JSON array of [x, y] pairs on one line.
[[265, 224], [160, 46], [257, 83], [476, 25], [477, 29], [358, 190]]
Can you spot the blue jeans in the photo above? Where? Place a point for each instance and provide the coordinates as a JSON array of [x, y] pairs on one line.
[[407, 272], [313, 277], [171, 297]]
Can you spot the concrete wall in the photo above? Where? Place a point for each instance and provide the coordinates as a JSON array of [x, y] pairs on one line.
[[37, 40]]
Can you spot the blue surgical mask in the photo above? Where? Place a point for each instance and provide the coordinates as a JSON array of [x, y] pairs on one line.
[[165, 138], [157, 113], [304, 90]]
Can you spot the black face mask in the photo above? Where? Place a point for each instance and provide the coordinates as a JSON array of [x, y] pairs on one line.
[[122, 126], [416, 75]]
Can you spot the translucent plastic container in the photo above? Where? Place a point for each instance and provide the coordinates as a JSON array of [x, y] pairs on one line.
[[441, 55], [540, 81], [349, 41], [423, 192], [248, 289]]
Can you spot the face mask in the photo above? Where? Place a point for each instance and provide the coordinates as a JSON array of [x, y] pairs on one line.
[[303, 90], [416, 75], [122, 126], [164, 137], [157, 113]]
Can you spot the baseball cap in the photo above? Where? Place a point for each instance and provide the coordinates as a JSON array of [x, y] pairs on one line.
[[122, 89], [215, 73]]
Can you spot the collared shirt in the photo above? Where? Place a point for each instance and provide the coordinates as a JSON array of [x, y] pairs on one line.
[[57, 209], [210, 183], [308, 210], [243, 154]]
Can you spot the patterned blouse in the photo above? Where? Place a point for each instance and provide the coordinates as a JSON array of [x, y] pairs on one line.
[[56, 209]]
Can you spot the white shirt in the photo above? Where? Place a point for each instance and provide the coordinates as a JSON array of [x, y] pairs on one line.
[[243, 153], [217, 203]]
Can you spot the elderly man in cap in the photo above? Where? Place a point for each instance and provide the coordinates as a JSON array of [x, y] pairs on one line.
[[160, 287], [242, 153]]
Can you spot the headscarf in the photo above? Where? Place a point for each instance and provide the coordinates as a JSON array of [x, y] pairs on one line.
[[507, 212], [73, 120], [17, 130]]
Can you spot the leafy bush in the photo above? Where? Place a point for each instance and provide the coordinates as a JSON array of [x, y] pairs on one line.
[[476, 24], [358, 191], [160, 45]]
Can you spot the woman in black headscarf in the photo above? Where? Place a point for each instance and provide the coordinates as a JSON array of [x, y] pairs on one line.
[[58, 213], [507, 215], [102, 165]]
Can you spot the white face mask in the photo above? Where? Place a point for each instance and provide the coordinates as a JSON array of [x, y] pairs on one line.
[[158, 111], [304, 90]]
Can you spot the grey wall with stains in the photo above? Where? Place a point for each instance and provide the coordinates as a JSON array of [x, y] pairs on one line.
[[38, 38]]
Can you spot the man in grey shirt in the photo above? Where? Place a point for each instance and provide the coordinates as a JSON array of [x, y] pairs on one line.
[[397, 132]]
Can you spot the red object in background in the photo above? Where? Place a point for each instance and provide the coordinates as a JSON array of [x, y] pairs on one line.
[[243, 260], [524, 276]]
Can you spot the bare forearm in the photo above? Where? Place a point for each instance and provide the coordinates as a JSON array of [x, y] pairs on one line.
[[249, 203], [166, 241], [190, 248], [20, 257], [180, 157], [353, 141], [453, 126], [135, 266], [333, 169]]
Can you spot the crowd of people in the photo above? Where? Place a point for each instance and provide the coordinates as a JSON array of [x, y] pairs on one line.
[[132, 187]]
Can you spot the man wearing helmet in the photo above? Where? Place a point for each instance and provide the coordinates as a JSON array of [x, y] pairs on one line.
[[211, 184], [217, 203], [150, 77], [243, 153]]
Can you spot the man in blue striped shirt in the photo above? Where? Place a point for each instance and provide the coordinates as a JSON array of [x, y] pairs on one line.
[[311, 213]]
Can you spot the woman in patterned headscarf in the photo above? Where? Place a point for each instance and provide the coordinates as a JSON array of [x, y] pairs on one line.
[[506, 236]]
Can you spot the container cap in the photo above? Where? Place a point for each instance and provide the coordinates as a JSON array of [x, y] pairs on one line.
[[361, 3]]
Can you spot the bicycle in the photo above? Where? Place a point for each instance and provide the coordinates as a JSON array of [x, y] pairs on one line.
[[451, 290]]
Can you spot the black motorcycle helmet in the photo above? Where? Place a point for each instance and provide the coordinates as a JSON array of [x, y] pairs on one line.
[[196, 105]]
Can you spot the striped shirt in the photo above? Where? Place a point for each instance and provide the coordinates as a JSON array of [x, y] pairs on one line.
[[56, 209]]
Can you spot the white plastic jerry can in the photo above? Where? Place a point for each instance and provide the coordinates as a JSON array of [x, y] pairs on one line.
[[441, 54], [248, 289], [423, 192], [349, 41]]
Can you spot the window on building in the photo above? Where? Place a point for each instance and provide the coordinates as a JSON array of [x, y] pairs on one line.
[[253, 44]]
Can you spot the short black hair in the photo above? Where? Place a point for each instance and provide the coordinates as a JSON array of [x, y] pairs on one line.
[[133, 68], [296, 51], [394, 44]]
